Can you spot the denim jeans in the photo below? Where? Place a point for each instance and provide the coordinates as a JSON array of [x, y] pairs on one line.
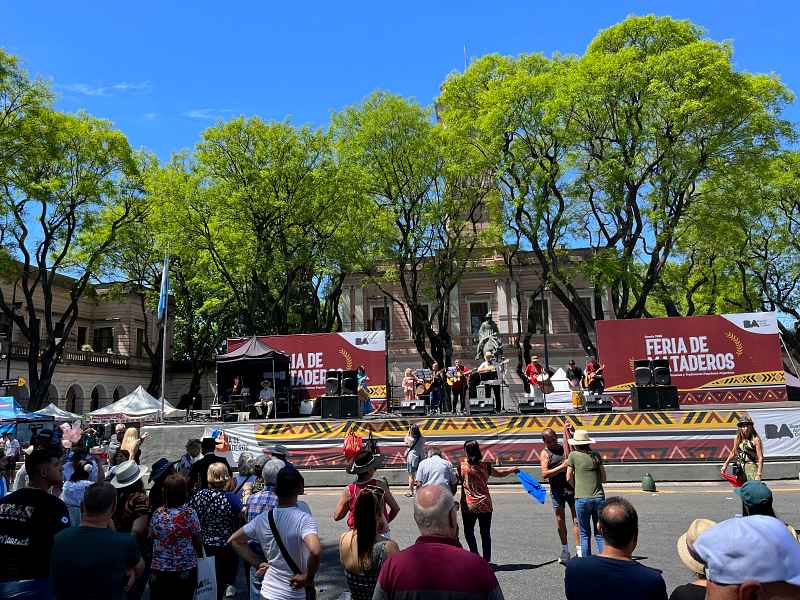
[[255, 585], [588, 511], [29, 589]]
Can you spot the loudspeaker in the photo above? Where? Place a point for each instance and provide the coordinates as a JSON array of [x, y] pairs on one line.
[[645, 397], [642, 372], [349, 383], [532, 408], [349, 407], [411, 408], [668, 397], [481, 406], [330, 407], [333, 383], [598, 403], [661, 374]]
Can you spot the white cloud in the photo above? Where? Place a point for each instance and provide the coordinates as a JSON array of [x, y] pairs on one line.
[[123, 87], [150, 116], [207, 114]]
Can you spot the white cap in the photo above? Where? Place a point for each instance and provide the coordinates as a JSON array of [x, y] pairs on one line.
[[756, 548]]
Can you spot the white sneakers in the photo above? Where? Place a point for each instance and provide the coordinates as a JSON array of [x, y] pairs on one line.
[[230, 591], [564, 557]]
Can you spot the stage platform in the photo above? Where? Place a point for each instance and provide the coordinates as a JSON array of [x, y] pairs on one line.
[[622, 437]]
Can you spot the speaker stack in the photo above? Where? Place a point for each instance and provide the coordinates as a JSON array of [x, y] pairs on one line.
[[341, 396], [653, 389], [481, 406]]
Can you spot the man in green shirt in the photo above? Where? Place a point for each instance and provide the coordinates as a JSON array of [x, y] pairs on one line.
[[93, 561]]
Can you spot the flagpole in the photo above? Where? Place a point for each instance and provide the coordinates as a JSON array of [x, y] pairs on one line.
[[164, 340]]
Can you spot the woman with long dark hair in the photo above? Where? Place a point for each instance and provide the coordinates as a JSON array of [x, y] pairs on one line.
[[476, 501], [132, 515], [363, 550], [415, 449], [586, 474], [747, 452]]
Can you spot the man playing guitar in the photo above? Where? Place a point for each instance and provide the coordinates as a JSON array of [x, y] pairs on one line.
[[593, 379], [457, 380]]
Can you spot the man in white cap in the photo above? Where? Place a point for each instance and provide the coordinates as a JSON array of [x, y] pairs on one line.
[[750, 558]]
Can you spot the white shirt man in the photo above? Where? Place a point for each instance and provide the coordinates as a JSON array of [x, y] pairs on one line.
[[435, 470], [266, 398]]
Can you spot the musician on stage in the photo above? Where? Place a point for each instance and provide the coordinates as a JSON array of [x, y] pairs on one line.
[[409, 385], [363, 390], [266, 398], [437, 388], [492, 386], [593, 379], [533, 372], [574, 375], [458, 388]]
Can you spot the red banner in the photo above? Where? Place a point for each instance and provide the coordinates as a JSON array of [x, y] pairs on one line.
[[712, 359], [313, 354]]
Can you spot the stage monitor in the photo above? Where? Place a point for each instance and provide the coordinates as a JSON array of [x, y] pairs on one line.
[[661, 374], [642, 372]]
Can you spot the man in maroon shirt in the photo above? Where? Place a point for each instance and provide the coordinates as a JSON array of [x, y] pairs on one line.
[[417, 572]]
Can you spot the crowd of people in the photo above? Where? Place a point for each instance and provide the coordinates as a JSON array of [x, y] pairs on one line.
[[87, 524]]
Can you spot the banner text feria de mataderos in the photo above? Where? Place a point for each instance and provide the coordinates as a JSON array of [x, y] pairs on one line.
[[313, 354], [712, 359]]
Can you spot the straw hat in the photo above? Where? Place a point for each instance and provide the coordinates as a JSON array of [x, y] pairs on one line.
[[580, 438], [686, 544], [744, 418], [126, 473]]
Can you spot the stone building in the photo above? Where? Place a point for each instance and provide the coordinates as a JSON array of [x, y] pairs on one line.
[[104, 357]]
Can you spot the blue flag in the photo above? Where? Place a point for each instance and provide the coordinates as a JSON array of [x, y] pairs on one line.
[[163, 295], [533, 487]]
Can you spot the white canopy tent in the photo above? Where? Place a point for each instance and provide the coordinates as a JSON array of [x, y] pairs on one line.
[[59, 414], [136, 406]]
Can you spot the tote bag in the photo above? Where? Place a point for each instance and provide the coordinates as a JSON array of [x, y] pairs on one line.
[[206, 579]]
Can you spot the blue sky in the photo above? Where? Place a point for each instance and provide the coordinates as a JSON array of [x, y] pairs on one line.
[[165, 71]]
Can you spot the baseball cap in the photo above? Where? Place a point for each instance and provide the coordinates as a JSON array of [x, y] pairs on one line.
[[754, 493], [756, 548]]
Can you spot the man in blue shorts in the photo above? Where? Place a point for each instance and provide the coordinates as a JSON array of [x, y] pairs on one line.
[[554, 469]]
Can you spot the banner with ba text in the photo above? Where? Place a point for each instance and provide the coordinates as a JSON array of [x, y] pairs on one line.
[[779, 429]]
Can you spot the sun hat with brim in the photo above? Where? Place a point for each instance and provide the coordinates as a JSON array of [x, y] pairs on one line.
[[580, 438], [126, 473], [745, 420], [686, 542], [279, 449], [364, 462], [159, 469]]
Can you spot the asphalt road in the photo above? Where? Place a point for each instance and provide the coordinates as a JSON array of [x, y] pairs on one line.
[[525, 543]]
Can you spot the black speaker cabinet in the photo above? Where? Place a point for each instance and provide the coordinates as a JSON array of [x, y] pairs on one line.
[[598, 403], [349, 407], [661, 374], [333, 383], [532, 408], [645, 397], [349, 383], [331, 407], [642, 372], [668, 397]]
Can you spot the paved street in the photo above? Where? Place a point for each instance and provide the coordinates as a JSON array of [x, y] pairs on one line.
[[525, 543]]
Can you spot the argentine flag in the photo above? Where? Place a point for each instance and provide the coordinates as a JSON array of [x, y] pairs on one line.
[[164, 293]]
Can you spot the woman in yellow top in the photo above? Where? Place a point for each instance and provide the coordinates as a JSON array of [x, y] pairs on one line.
[[747, 452]]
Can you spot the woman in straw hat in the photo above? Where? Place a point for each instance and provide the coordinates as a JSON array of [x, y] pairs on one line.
[[586, 473], [132, 514], [747, 453], [695, 590], [364, 467]]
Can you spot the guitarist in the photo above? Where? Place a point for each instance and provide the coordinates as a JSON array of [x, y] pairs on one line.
[[593, 379], [458, 385]]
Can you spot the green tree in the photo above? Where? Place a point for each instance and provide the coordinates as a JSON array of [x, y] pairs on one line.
[[429, 200]]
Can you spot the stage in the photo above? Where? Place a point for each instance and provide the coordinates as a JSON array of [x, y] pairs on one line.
[[685, 436]]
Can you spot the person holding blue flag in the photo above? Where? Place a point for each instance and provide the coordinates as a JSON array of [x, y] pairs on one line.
[[554, 469]]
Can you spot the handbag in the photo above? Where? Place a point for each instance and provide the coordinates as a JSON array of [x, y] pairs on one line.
[[311, 591], [206, 579]]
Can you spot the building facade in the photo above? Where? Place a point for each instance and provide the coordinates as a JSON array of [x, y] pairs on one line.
[[104, 356]]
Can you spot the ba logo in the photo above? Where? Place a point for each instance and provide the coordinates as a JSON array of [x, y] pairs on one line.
[[362, 341], [752, 323], [774, 432]]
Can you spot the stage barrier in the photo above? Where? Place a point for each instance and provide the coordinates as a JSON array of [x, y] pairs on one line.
[[679, 436]]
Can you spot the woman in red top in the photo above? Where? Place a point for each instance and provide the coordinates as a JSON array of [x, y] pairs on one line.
[[476, 501], [364, 466]]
